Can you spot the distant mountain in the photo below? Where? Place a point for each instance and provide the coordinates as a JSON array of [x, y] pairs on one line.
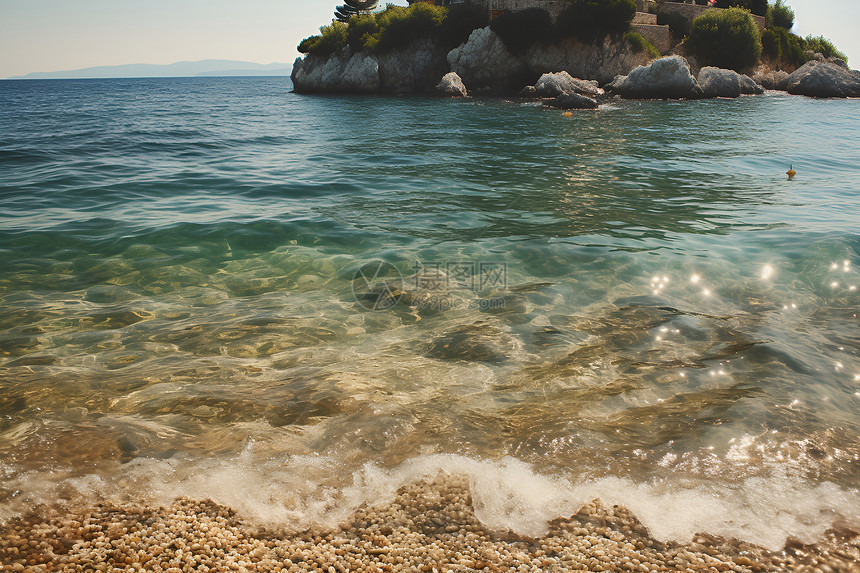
[[177, 70]]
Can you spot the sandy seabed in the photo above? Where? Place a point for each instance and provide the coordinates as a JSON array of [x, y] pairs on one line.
[[428, 527]]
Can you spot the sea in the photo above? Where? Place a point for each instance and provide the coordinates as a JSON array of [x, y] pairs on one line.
[[215, 288]]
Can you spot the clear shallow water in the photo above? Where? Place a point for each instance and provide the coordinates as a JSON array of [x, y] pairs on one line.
[[637, 304]]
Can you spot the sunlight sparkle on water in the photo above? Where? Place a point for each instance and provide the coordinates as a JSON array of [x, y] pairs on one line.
[[767, 272]]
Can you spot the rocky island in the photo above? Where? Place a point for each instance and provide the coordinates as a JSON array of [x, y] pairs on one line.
[[572, 51]]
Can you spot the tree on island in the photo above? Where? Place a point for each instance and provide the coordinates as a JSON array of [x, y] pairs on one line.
[[354, 7], [780, 15]]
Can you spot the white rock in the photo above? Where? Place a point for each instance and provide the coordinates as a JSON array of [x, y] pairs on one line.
[[340, 72], [413, 68], [553, 85], [484, 61], [452, 85], [749, 85], [361, 74], [666, 78], [717, 82], [824, 79]]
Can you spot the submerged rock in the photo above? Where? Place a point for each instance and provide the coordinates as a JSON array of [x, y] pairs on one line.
[[824, 79], [666, 78], [478, 342], [572, 100], [553, 85], [451, 85], [717, 82]]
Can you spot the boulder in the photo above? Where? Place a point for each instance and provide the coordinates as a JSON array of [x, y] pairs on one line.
[[716, 82], [749, 86], [572, 100], [838, 62], [553, 85], [823, 79], [452, 86], [483, 61], [666, 78], [528, 92], [770, 79]]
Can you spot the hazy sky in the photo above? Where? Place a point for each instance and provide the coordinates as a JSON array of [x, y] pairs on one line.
[[52, 35]]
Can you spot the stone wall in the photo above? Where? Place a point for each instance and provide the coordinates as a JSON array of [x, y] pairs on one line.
[[692, 11], [659, 36], [553, 7]]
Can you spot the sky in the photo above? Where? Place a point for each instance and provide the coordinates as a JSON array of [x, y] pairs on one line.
[[54, 35]]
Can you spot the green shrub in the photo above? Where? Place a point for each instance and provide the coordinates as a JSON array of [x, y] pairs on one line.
[[782, 49], [360, 29], [638, 44], [331, 39], [520, 30], [825, 47], [725, 39], [679, 25], [593, 20], [779, 15], [306, 44], [757, 7], [396, 27], [399, 26]]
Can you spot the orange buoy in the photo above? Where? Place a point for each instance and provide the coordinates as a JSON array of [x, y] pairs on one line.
[[791, 172], [567, 114]]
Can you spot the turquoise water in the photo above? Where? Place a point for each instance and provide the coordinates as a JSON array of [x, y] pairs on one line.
[[292, 304]]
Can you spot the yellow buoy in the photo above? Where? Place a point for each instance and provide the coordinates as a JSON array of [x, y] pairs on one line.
[[567, 114], [791, 172]]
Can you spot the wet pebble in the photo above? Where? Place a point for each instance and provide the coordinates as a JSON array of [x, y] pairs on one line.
[[429, 526]]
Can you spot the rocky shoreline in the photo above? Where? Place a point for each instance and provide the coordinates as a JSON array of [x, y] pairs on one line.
[[483, 65], [429, 526]]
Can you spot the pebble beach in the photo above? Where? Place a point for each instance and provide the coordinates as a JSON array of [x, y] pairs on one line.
[[428, 527]]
